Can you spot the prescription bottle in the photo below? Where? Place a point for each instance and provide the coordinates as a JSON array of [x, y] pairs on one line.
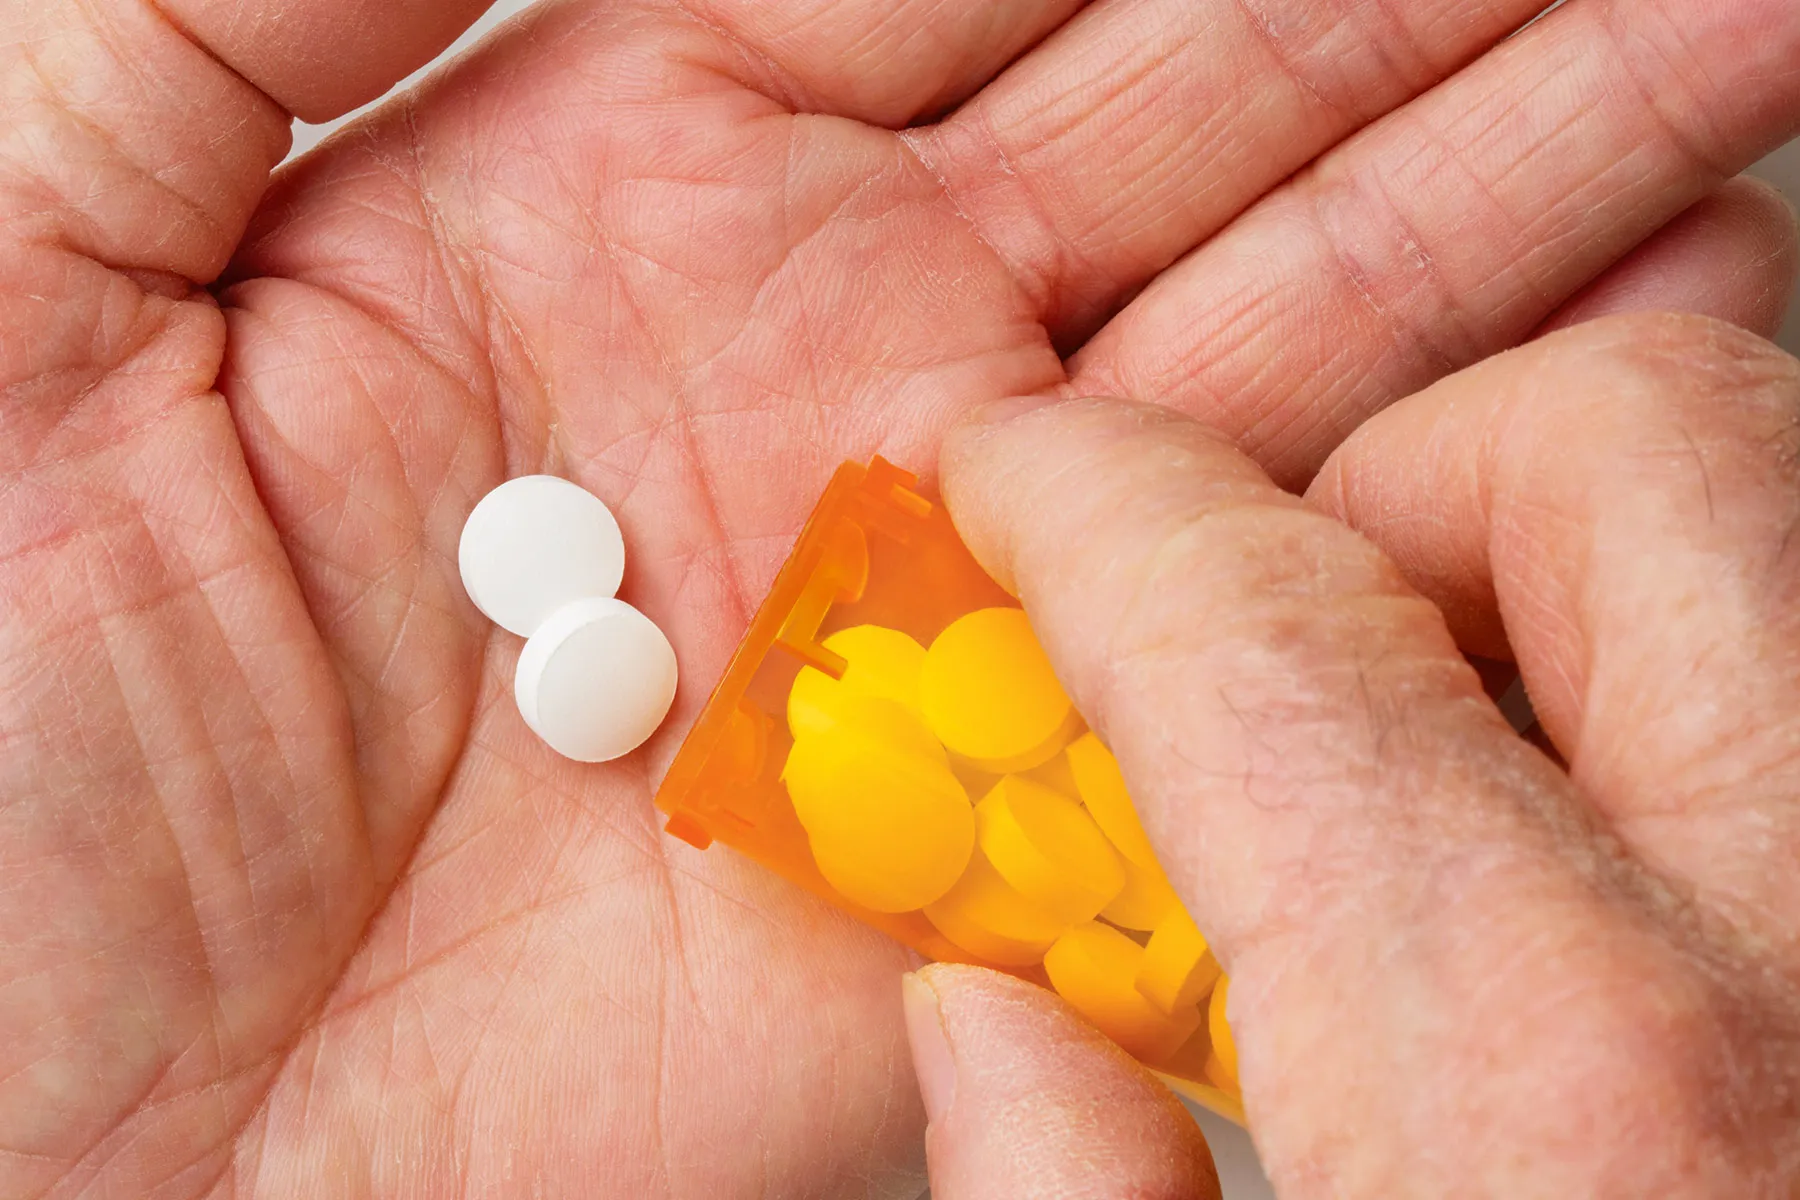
[[889, 735]]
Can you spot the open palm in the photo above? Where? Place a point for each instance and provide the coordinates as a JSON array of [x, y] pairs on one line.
[[290, 901]]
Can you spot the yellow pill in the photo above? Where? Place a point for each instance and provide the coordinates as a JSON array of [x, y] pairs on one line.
[[889, 825], [1055, 775], [986, 917], [989, 694], [1102, 790], [1145, 899], [1178, 964], [883, 663], [1224, 1047], [1048, 848], [1092, 966]]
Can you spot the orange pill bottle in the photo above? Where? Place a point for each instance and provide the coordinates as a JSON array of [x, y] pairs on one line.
[[890, 736]]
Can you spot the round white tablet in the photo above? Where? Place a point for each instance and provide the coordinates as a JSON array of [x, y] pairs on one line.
[[535, 543], [595, 680]]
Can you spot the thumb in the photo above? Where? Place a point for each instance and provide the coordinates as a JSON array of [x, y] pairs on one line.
[[1025, 1099]]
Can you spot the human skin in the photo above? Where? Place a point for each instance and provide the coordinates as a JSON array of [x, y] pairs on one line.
[[1457, 967], [290, 901]]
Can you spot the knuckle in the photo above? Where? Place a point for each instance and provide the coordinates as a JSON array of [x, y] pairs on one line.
[[1692, 364], [1670, 400], [1316, 665], [1281, 579]]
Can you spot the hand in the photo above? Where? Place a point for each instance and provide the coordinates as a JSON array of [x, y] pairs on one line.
[[1457, 968], [290, 902]]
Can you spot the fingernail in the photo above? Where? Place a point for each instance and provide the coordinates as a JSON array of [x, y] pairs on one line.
[[998, 412], [932, 1061]]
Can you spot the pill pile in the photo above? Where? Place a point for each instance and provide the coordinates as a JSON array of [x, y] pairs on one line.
[[542, 558], [958, 780]]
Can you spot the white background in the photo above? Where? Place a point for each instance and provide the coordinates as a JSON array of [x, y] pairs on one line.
[[1238, 1169]]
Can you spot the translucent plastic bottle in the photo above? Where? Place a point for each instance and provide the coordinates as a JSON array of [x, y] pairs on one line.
[[890, 736]]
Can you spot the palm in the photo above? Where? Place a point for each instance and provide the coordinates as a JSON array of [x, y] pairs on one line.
[[296, 896], [701, 351]]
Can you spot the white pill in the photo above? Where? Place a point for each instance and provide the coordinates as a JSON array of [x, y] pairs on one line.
[[535, 543], [595, 679]]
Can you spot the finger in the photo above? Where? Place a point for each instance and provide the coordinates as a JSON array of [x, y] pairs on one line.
[[882, 62], [1424, 937], [1620, 502], [177, 755], [126, 143], [1731, 256], [1026, 1099], [1115, 147], [1298, 626], [1455, 226], [321, 58], [141, 140], [153, 153]]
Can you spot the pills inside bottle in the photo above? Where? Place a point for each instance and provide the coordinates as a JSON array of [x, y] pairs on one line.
[[1049, 869], [891, 736]]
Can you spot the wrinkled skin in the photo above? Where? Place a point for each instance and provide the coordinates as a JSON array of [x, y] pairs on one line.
[[290, 901], [1458, 966]]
